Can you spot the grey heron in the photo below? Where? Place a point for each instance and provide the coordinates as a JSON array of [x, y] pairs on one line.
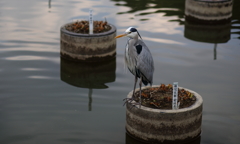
[[138, 59]]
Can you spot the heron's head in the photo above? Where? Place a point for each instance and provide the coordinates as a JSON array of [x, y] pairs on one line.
[[131, 32]]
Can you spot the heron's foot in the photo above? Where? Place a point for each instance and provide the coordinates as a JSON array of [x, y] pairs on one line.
[[127, 100], [130, 101]]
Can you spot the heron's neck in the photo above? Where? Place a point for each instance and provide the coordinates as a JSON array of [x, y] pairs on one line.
[[133, 40]]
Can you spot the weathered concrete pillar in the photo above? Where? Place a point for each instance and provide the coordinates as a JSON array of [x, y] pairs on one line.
[[156, 125], [208, 11], [85, 47]]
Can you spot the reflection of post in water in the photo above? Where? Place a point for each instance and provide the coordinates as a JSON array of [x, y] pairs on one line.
[[88, 75], [208, 21], [90, 100], [218, 33], [160, 6], [49, 3], [215, 51], [129, 139]]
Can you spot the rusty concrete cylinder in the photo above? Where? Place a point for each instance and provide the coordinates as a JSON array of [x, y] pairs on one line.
[[164, 126], [88, 47], [208, 11]]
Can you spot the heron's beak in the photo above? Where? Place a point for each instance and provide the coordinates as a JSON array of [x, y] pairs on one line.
[[122, 35]]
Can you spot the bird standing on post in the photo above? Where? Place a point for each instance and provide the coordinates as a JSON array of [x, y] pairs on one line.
[[138, 59]]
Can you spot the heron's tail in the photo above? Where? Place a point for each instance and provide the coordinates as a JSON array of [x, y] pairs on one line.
[[146, 81]]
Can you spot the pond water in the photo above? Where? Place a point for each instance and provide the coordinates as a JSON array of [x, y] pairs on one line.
[[45, 99]]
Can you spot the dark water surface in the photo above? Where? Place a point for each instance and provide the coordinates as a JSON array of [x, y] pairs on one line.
[[44, 99]]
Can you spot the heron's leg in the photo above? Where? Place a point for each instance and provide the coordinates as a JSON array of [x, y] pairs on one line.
[[131, 99], [140, 92], [136, 79]]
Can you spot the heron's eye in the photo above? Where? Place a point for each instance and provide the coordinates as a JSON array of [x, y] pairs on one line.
[[129, 32]]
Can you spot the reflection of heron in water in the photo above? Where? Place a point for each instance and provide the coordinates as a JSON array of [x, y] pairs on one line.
[[138, 60]]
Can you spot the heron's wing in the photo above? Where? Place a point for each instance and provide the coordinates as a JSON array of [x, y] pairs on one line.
[[145, 64], [130, 56]]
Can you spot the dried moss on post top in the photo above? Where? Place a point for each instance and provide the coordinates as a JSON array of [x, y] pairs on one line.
[[83, 27], [161, 97]]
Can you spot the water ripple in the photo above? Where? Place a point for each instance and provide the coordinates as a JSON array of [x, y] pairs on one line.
[[166, 41], [32, 58], [32, 69], [30, 42], [24, 58], [40, 77], [17, 48]]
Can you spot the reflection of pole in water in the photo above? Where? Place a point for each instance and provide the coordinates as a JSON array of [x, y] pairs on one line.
[[49, 4], [90, 100], [88, 75], [215, 51]]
